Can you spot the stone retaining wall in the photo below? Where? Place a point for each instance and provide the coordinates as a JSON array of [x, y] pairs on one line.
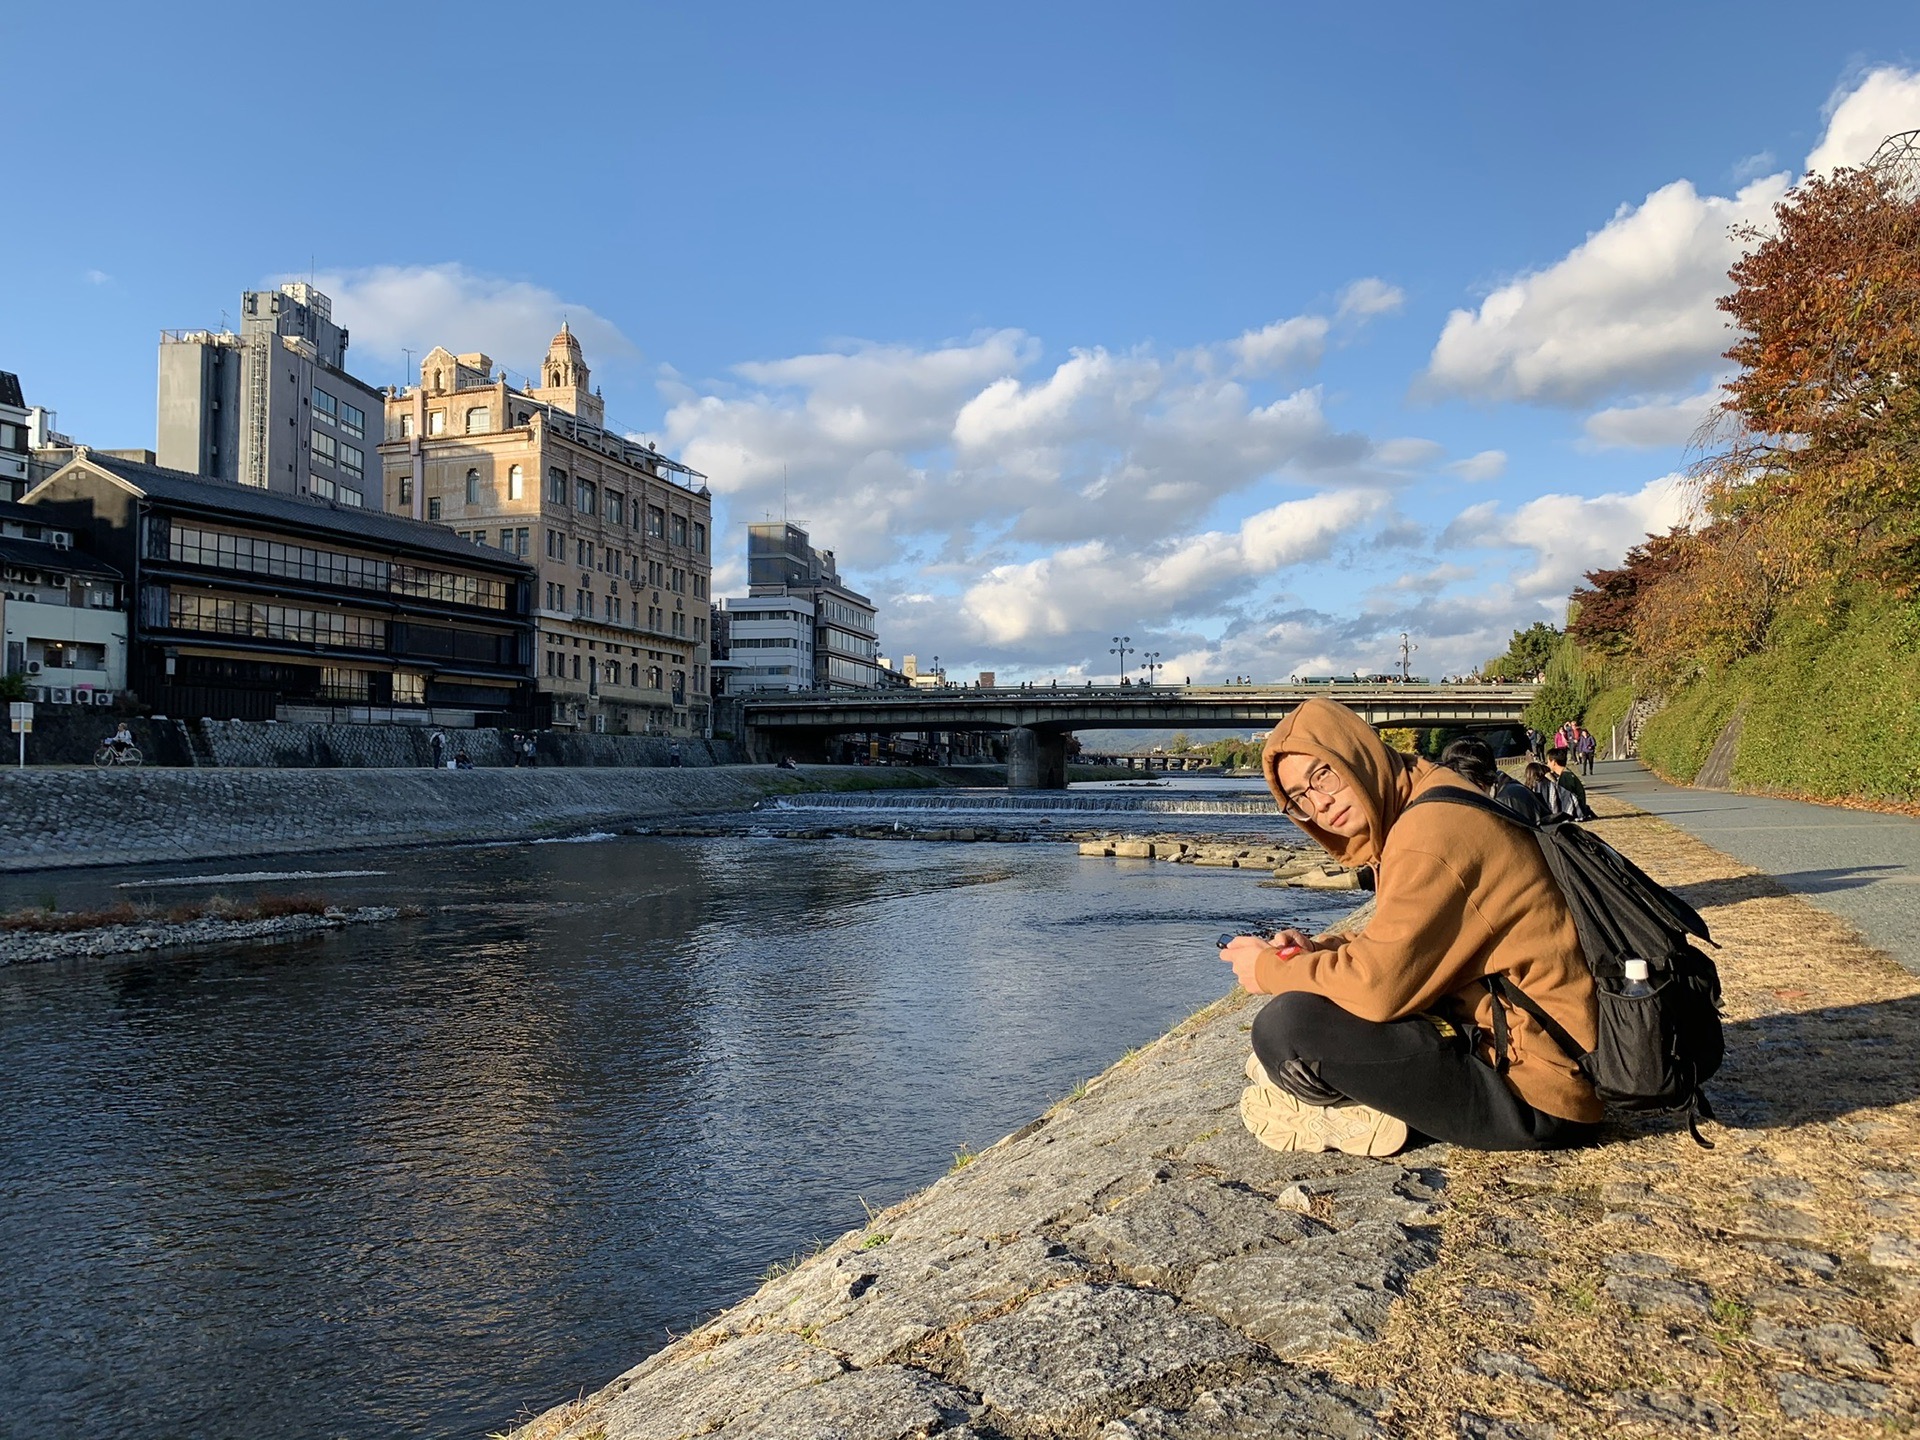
[[57, 818]]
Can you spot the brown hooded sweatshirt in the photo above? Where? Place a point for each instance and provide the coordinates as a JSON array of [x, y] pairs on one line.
[[1460, 895]]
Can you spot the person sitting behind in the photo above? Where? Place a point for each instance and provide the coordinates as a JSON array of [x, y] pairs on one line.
[[1472, 759], [1571, 786], [1372, 1036]]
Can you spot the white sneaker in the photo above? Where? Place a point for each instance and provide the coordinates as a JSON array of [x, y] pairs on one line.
[[1280, 1120]]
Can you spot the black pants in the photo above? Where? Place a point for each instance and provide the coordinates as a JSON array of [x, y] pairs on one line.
[[1407, 1068]]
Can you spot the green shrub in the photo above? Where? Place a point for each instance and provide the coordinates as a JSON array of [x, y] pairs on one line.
[[1571, 680], [1675, 742], [1835, 702]]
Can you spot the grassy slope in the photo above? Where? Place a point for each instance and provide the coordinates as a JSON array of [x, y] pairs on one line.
[[1832, 708]]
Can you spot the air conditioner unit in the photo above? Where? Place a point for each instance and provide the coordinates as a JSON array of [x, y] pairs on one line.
[[103, 697], [58, 582], [62, 540], [33, 667], [60, 695], [37, 694]]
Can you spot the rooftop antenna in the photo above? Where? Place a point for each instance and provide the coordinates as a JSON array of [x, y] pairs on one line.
[[786, 517], [407, 379]]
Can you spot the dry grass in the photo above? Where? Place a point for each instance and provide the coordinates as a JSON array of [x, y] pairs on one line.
[[1821, 1084], [217, 907]]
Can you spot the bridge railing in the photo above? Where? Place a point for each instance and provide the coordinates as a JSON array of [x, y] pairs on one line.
[[951, 693]]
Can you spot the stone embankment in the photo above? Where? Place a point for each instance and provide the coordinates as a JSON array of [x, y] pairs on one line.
[[27, 947], [59, 818], [1132, 1266]]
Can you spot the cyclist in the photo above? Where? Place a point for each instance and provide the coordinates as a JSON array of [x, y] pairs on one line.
[[121, 740]]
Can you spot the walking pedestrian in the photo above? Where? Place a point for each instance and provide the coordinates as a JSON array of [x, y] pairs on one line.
[[437, 742]]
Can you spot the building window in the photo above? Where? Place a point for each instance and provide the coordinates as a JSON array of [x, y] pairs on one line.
[[406, 490], [585, 495], [699, 537], [339, 683], [324, 405], [556, 545], [523, 542], [556, 486], [679, 529], [409, 688], [477, 418], [433, 508], [353, 460], [656, 522], [406, 426], [576, 667], [353, 420], [515, 483], [323, 447], [633, 676], [616, 508], [436, 422], [473, 487], [613, 609]]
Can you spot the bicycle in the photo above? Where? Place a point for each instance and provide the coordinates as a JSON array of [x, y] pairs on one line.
[[109, 755]]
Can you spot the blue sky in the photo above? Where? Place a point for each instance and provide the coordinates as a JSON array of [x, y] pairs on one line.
[[1259, 333]]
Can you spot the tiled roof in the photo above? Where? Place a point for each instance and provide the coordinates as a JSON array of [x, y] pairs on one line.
[[349, 523]]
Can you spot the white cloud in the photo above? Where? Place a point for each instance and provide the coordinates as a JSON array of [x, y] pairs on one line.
[[1630, 311], [1487, 465], [1097, 585], [1291, 344], [1564, 536], [1883, 102], [393, 308], [97, 277], [1370, 296], [1653, 424]]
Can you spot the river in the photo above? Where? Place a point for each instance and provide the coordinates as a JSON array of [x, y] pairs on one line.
[[429, 1177]]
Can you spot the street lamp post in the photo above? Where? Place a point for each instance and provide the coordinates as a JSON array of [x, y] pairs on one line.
[[1122, 648], [1153, 663]]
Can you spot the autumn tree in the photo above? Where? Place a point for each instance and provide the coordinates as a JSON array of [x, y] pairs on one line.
[[1825, 465], [1601, 614]]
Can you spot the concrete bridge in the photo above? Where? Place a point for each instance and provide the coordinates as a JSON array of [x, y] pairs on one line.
[[1038, 720]]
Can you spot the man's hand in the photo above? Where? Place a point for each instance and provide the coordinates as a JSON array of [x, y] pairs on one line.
[[1244, 953]]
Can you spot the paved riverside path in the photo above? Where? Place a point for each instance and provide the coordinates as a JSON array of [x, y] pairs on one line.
[[1861, 865]]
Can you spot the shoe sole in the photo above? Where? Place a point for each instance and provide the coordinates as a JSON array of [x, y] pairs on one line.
[[1281, 1121]]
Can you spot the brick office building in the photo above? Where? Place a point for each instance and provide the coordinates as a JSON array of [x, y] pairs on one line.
[[618, 534]]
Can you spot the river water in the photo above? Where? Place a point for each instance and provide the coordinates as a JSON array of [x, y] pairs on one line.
[[431, 1176]]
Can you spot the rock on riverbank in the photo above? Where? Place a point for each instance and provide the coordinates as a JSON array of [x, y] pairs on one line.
[[27, 947]]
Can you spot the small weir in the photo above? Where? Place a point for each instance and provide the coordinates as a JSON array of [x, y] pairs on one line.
[[1042, 802]]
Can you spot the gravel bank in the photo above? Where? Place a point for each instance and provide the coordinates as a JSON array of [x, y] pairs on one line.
[[28, 947]]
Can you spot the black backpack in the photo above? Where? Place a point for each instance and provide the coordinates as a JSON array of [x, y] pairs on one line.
[[1652, 1052]]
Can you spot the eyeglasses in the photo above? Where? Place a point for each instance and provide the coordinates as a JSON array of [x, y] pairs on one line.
[[1325, 781]]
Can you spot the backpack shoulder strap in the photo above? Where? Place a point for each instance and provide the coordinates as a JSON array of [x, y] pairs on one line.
[[1472, 799]]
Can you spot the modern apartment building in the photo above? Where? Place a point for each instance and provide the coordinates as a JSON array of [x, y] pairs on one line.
[[781, 563], [769, 643], [14, 437], [272, 406], [618, 534], [63, 618], [255, 606]]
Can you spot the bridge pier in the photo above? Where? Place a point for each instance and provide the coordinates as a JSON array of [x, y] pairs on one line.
[[1036, 759]]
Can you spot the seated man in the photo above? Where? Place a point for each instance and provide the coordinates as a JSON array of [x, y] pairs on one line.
[[1394, 1027], [1571, 785]]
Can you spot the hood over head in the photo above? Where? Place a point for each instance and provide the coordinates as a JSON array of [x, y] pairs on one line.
[[1382, 779]]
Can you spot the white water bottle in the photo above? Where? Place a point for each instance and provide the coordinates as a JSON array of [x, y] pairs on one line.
[[1638, 987]]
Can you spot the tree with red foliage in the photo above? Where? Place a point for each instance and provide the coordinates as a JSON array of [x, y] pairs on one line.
[[1603, 611]]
